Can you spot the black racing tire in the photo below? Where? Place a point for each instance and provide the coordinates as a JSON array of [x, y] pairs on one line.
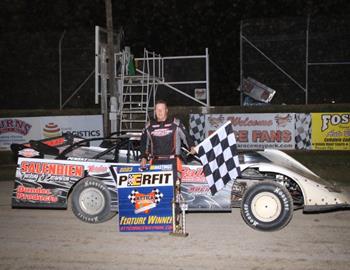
[[91, 201], [267, 206]]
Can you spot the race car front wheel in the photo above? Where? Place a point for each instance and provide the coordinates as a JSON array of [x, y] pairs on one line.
[[91, 201], [267, 206]]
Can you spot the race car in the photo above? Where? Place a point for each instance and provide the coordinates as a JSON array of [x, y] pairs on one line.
[[271, 186]]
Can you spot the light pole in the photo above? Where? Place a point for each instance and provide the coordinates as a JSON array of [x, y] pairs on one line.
[[60, 66]]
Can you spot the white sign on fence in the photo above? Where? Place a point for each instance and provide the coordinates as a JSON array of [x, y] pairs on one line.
[[257, 131], [23, 129]]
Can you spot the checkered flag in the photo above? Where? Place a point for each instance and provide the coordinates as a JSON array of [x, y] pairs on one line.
[[197, 127], [218, 154]]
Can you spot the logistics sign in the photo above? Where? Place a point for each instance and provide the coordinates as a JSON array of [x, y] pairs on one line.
[[144, 197]]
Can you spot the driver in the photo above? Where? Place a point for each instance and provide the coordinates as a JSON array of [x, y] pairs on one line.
[[161, 142]]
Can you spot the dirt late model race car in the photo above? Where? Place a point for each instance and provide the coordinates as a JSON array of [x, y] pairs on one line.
[[272, 184]]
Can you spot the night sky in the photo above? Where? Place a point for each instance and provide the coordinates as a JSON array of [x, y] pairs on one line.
[[30, 31]]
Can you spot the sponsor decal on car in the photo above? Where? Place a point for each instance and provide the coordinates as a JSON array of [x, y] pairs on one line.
[[50, 172], [55, 142], [97, 169], [199, 190], [28, 152], [35, 194], [193, 175], [52, 168], [85, 159]]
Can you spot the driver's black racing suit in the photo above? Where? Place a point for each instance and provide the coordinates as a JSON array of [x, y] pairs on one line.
[[161, 143], [162, 140]]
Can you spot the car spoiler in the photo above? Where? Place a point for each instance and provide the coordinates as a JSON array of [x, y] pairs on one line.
[[60, 146], [49, 146]]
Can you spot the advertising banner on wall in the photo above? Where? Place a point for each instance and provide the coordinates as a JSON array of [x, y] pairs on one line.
[[22, 129], [331, 131], [303, 131], [257, 131], [145, 198]]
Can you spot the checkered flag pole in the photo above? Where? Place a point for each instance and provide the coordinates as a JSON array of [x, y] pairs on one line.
[[218, 154]]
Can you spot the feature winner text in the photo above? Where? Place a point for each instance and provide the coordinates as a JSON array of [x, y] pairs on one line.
[[149, 223], [149, 220]]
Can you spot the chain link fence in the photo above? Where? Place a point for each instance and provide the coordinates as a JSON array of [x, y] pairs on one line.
[[30, 77], [304, 61]]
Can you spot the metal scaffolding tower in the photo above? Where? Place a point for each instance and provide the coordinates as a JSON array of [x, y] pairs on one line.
[[137, 81], [137, 84]]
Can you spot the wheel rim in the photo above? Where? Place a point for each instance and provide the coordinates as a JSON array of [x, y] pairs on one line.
[[266, 206], [91, 201]]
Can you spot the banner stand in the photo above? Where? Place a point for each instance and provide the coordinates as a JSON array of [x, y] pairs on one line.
[[145, 198]]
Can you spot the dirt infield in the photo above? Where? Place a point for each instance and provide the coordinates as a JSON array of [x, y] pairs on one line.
[[55, 239]]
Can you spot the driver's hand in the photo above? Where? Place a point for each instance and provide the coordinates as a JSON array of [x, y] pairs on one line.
[[193, 150], [143, 163]]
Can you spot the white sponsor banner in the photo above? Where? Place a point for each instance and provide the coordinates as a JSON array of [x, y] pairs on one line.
[[23, 129], [257, 90], [200, 93], [257, 131]]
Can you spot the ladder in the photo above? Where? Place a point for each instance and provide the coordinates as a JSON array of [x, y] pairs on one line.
[[136, 91], [138, 86]]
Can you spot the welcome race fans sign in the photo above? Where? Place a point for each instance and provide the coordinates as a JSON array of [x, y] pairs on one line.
[[257, 131]]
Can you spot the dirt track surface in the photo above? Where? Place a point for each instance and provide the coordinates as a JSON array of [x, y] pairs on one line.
[[55, 239]]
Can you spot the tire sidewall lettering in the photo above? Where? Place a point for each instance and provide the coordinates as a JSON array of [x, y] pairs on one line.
[[78, 212], [247, 213], [283, 196], [96, 184]]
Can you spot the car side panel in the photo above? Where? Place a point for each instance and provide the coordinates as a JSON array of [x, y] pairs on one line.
[[315, 194], [46, 183], [196, 192]]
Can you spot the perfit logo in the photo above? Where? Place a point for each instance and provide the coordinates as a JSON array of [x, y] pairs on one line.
[[334, 120], [142, 179]]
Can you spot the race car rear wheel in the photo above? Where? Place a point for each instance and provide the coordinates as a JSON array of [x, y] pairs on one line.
[[267, 206], [91, 201]]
